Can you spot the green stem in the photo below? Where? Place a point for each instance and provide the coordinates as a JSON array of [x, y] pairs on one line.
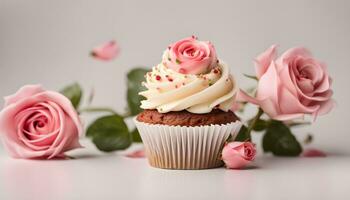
[[255, 119]]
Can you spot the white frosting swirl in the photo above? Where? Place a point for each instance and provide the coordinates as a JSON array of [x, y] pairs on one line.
[[168, 90]]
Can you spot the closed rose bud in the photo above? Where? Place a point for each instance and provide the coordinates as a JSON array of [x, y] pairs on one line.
[[237, 155]]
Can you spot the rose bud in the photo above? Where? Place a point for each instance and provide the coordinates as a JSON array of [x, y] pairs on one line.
[[36, 123], [237, 155]]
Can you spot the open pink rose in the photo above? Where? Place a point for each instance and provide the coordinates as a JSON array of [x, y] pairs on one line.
[[292, 85], [36, 123], [238, 154], [106, 51], [190, 56]]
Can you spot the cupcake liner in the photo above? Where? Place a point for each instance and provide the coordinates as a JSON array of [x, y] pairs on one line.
[[182, 147]]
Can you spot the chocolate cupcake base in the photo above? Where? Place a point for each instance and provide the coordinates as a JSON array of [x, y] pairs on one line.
[[185, 118]]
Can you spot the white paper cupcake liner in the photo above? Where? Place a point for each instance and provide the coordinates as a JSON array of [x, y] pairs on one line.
[[182, 147]]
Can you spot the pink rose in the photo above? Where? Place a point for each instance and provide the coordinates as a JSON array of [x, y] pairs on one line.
[[190, 56], [106, 51], [238, 154], [292, 85], [36, 123]]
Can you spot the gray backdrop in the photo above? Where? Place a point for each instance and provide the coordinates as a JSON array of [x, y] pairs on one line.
[[48, 42]]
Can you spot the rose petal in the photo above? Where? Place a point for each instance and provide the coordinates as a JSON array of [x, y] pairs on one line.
[[313, 153], [242, 96], [291, 54], [106, 51], [263, 61], [326, 107], [306, 86], [289, 104], [269, 84], [235, 162], [25, 91], [137, 154]]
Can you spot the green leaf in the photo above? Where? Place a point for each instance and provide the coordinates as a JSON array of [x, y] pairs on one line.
[[279, 140], [136, 136], [135, 78], [109, 133], [243, 135], [251, 77], [73, 92]]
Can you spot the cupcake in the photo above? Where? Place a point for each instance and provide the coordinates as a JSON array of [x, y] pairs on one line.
[[187, 117]]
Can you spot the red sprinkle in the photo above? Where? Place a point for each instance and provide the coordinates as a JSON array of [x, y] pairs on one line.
[[158, 78], [170, 79], [216, 71], [182, 71]]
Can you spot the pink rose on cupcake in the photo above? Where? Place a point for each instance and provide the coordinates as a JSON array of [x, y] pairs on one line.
[[292, 85], [190, 56], [36, 123], [237, 155]]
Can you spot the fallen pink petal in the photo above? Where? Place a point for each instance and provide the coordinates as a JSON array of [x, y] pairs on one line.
[[137, 154], [313, 153], [106, 52]]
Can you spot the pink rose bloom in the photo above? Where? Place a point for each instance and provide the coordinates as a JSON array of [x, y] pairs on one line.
[[190, 56], [238, 154], [292, 85], [36, 123], [106, 51]]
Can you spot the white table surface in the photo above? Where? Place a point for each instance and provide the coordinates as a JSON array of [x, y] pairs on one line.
[[94, 175]]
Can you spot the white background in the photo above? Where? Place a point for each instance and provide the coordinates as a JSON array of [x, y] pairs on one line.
[[48, 42]]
